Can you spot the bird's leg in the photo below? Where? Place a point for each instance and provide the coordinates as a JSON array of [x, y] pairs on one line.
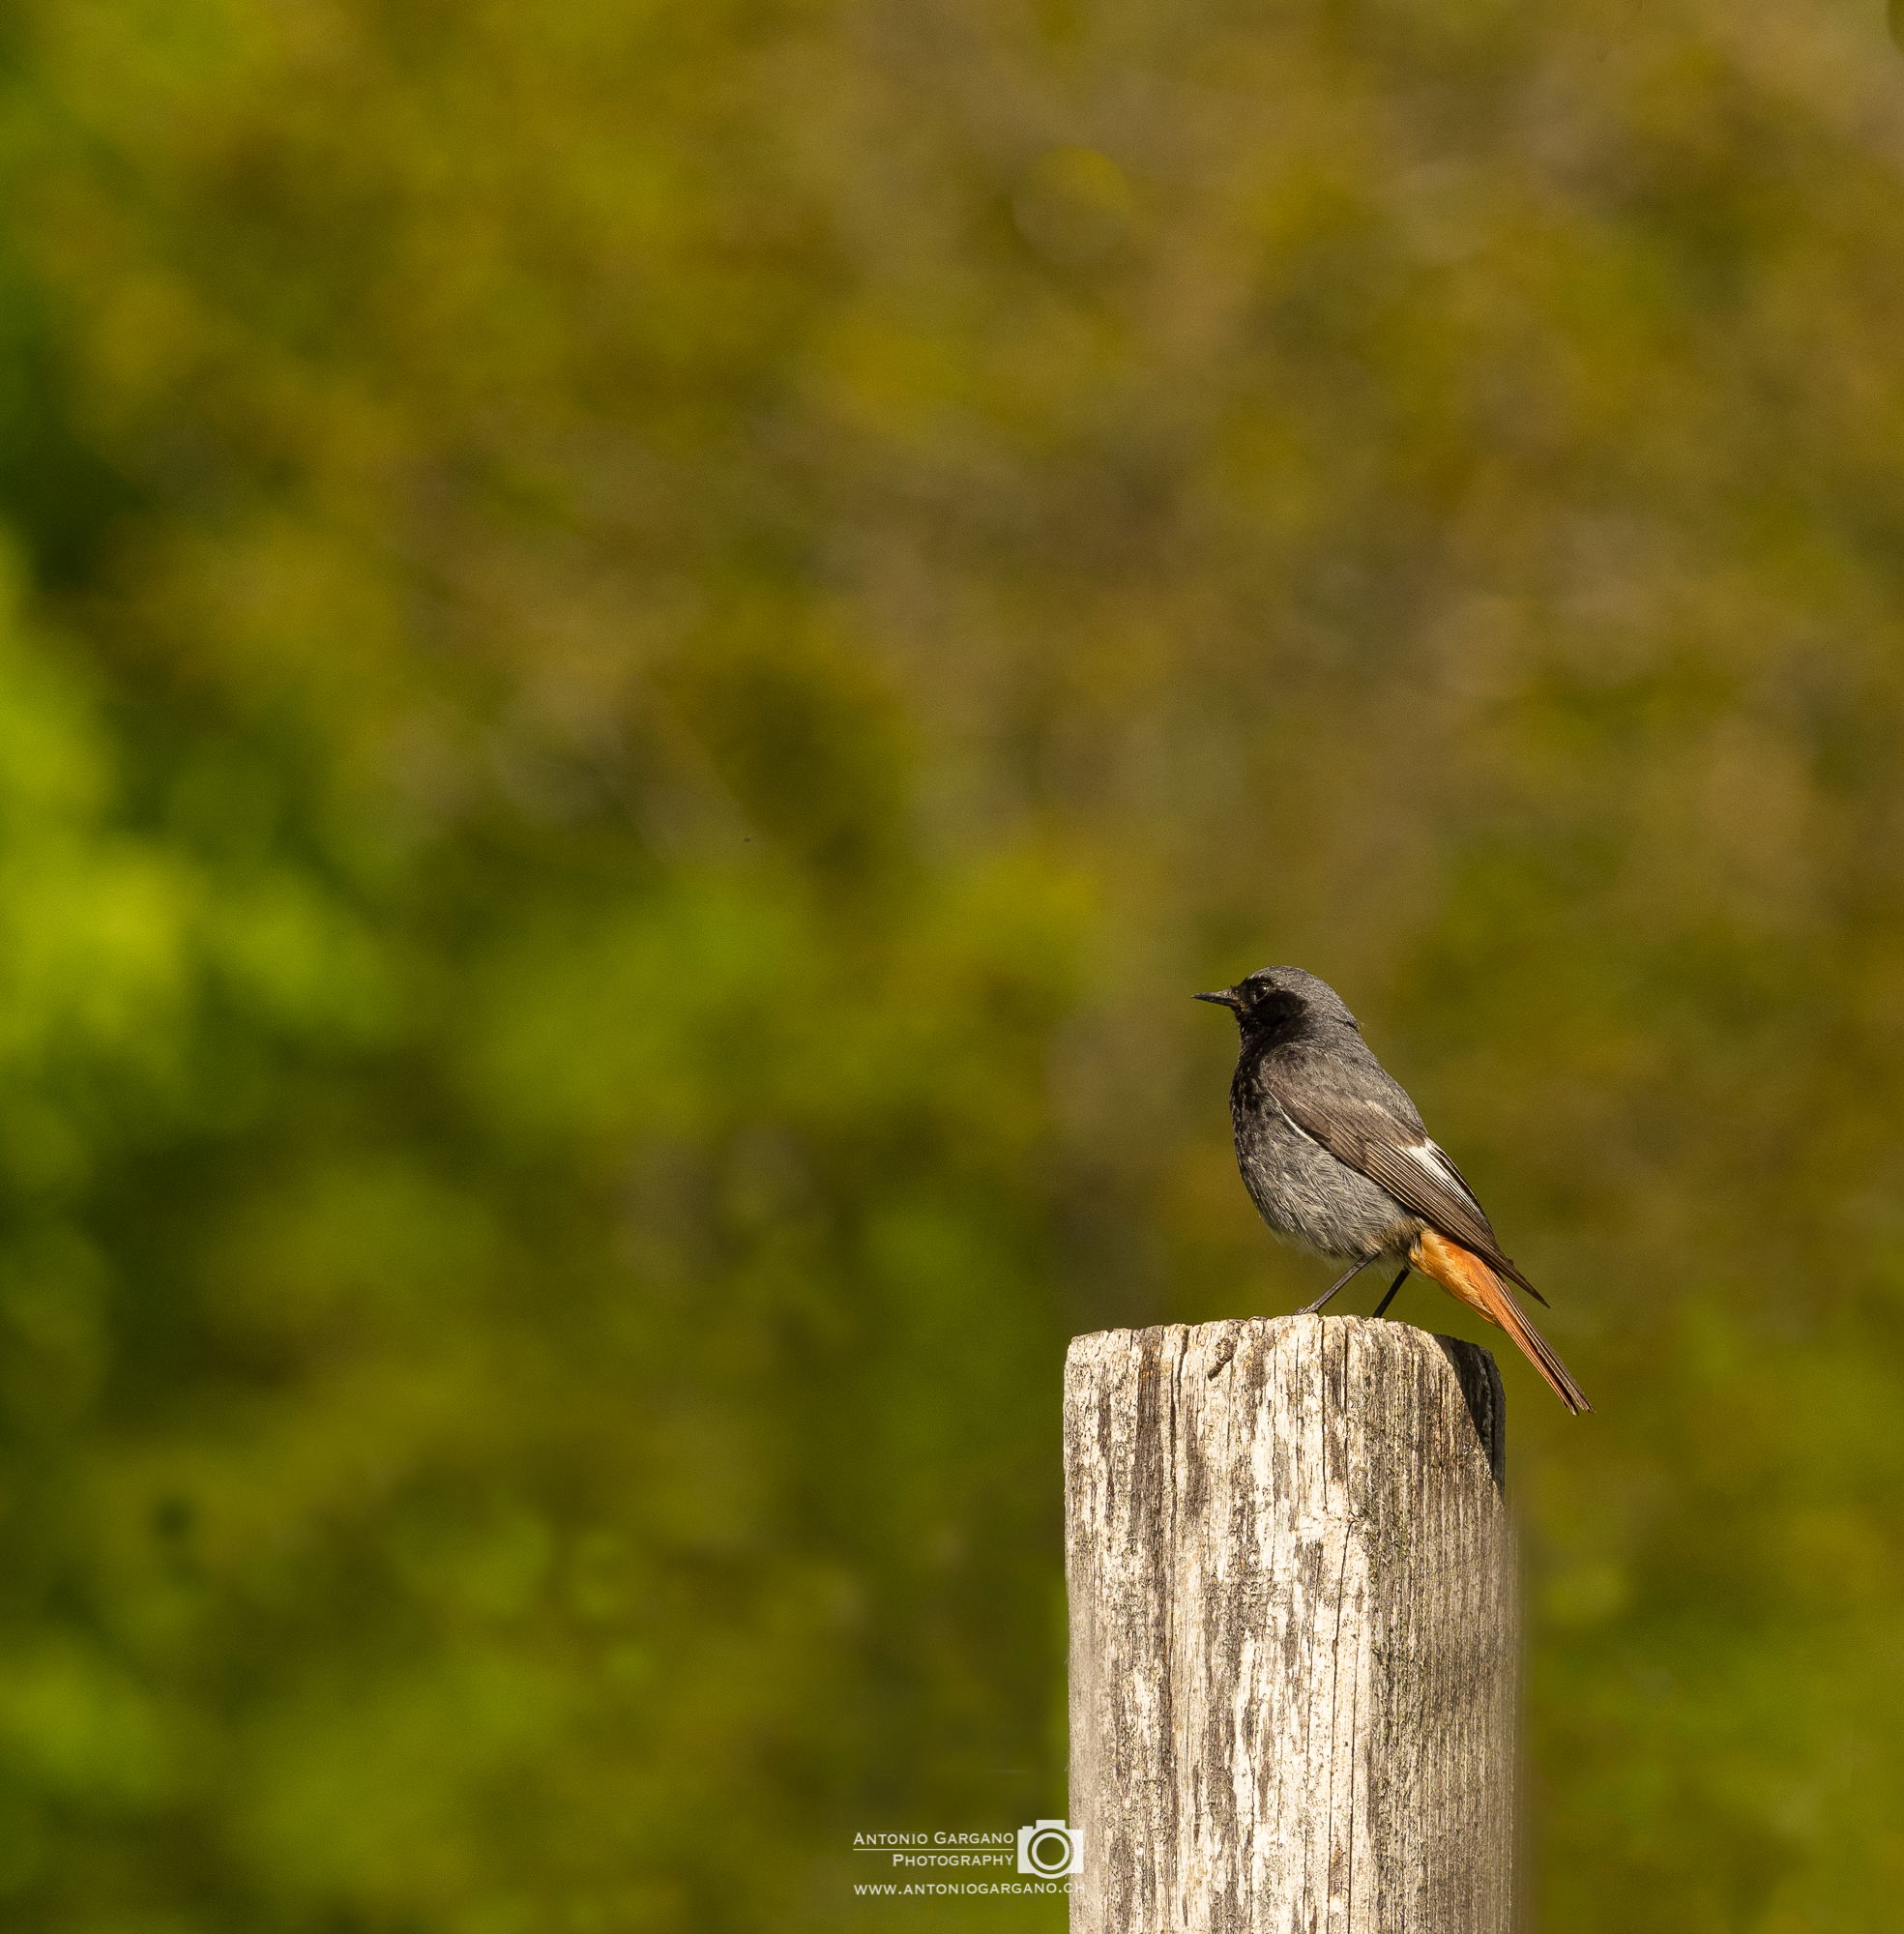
[[1347, 1276], [1394, 1288]]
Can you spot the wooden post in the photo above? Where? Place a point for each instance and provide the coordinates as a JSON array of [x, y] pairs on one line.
[[1292, 1630]]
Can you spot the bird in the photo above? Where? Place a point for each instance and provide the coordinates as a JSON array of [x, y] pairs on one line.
[[1336, 1158]]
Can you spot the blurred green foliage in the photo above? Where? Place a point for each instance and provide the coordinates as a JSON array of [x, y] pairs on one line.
[[646, 650]]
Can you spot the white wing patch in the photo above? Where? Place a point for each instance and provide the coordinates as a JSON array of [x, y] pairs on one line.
[[1427, 1157]]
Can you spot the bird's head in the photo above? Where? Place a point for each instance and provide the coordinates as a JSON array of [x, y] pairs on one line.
[[1281, 998]]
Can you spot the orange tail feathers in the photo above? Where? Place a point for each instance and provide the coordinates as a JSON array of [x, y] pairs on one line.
[[1470, 1280]]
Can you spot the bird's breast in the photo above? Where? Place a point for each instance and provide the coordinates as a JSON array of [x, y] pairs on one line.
[[1303, 1191]]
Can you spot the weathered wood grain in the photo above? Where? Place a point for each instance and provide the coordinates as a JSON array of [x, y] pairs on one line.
[[1292, 1630]]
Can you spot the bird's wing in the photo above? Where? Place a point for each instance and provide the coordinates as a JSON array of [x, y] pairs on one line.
[[1390, 1147]]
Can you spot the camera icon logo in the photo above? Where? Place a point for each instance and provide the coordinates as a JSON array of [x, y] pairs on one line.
[[1051, 1849]]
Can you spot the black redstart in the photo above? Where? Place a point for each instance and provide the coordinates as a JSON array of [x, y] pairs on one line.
[[1336, 1157]]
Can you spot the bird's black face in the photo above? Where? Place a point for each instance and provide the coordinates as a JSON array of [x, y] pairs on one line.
[[1259, 1004]]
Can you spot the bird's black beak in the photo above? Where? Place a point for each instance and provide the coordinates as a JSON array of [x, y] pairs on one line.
[[1226, 998]]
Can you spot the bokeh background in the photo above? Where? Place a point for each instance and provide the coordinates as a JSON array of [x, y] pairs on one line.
[[647, 649]]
